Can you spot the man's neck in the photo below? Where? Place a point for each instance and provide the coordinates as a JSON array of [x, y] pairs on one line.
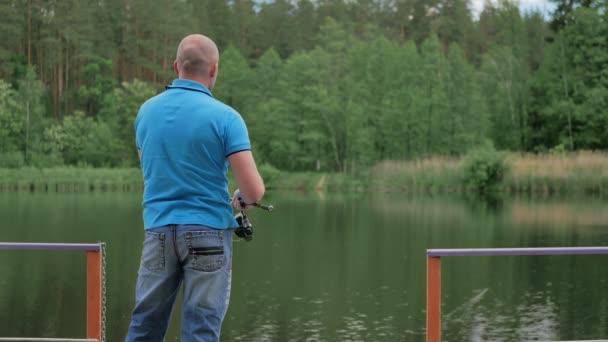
[[201, 80]]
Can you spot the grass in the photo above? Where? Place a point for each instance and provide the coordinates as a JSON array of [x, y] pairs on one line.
[[308, 181], [573, 173], [580, 172], [427, 175], [549, 174], [70, 179]]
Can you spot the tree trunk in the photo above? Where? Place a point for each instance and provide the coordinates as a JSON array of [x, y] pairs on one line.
[[523, 124], [67, 76], [59, 76], [53, 82], [41, 68], [510, 94], [334, 142], [165, 49], [29, 32], [27, 129], [155, 58], [567, 93], [138, 68], [122, 58]]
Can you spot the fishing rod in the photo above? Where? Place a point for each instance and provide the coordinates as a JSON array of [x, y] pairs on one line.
[[267, 207], [245, 228]]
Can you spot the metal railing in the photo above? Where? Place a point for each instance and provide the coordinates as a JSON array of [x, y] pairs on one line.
[[42, 339], [95, 286], [433, 274]]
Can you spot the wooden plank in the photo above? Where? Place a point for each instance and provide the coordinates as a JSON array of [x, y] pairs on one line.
[[433, 300], [94, 288]]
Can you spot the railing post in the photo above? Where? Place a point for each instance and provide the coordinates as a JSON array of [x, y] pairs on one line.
[[433, 299], [94, 294]]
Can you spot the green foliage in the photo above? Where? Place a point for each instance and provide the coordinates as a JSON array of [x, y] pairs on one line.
[[70, 179], [463, 130], [11, 26], [420, 175], [11, 121], [269, 173], [12, 160], [505, 86], [324, 86], [433, 105], [571, 84], [82, 140], [558, 150], [234, 80], [99, 81], [485, 169], [560, 173], [119, 111], [31, 92], [44, 157]]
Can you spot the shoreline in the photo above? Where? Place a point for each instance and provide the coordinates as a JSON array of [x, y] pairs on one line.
[[546, 175]]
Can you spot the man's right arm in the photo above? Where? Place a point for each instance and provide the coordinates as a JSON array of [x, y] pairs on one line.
[[251, 185]]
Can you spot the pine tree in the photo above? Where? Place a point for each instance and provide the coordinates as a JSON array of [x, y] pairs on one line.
[[13, 15], [245, 27]]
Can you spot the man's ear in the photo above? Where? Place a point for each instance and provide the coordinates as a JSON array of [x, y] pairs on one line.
[[213, 70], [175, 68]]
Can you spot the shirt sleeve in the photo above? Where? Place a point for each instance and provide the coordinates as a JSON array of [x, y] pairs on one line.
[[237, 137], [135, 129]]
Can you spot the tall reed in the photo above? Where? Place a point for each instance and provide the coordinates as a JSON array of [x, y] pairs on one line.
[[69, 179], [437, 174], [582, 172], [578, 172]]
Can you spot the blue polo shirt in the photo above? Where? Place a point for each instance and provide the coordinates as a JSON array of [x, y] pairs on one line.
[[185, 137]]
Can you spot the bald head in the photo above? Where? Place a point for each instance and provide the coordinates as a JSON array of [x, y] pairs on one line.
[[197, 58]]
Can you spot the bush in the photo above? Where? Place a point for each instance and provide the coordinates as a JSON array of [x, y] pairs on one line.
[[485, 169], [45, 160], [11, 160], [269, 173]]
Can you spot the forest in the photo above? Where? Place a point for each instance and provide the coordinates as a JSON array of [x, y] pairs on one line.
[[325, 85]]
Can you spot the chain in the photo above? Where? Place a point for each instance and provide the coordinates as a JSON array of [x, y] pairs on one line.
[[103, 292]]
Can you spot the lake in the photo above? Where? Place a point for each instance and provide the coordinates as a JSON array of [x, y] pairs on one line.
[[328, 267]]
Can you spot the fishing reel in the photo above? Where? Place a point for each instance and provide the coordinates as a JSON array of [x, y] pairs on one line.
[[245, 229]]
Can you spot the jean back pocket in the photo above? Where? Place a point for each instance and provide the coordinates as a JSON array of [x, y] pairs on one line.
[[206, 250]]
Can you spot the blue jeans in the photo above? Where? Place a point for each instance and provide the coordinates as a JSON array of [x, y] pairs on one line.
[[198, 256]]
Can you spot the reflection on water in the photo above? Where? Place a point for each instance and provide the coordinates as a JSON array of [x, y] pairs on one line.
[[309, 320], [560, 215], [340, 268], [482, 319]]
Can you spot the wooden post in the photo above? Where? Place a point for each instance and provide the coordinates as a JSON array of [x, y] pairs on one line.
[[433, 299], [94, 294]]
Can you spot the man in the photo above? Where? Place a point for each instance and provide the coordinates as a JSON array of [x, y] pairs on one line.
[[186, 139]]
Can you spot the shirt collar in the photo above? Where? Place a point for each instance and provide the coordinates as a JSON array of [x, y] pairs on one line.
[[182, 83]]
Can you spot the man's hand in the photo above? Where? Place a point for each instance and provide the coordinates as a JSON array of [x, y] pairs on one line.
[[238, 201]]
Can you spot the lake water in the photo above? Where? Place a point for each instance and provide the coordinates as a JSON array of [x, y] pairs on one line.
[[328, 268]]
